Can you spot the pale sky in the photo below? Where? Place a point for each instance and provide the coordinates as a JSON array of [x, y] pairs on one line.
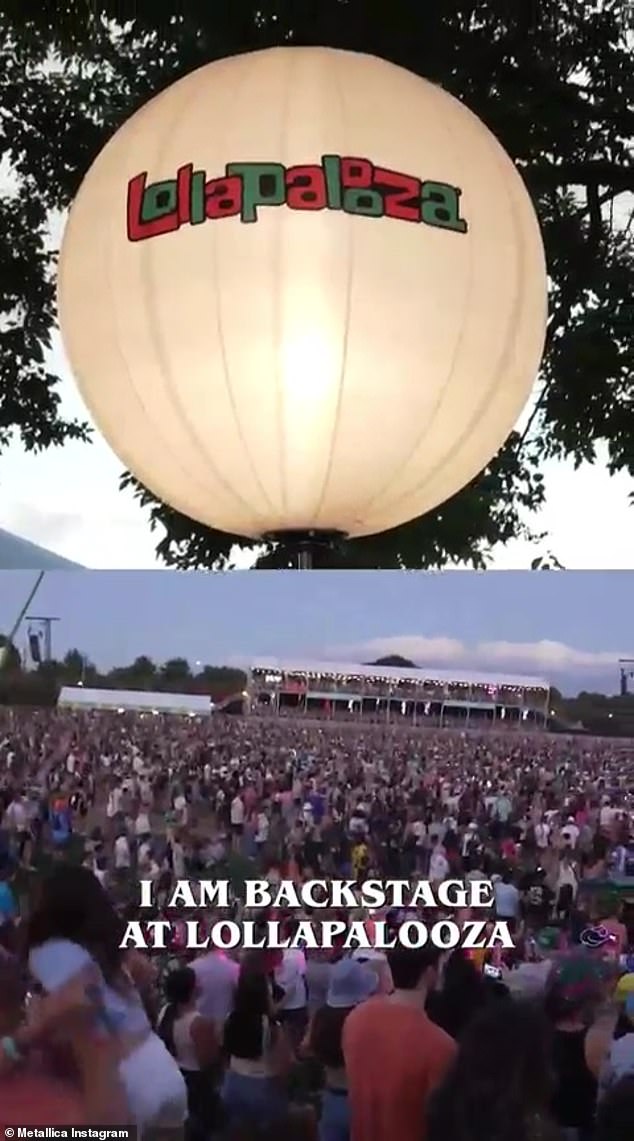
[[570, 629]]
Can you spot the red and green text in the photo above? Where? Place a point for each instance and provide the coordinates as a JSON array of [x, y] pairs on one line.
[[353, 185]]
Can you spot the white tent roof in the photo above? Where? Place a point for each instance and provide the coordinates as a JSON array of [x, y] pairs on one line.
[[393, 673], [79, 697], [20, 554]]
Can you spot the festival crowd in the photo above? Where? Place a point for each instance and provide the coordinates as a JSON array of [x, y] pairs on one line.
[[533, 1043]]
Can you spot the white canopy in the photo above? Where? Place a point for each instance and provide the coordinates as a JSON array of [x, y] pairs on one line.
[[123, 700]]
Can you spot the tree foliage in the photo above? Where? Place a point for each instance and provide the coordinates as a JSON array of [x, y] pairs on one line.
[[174, 676], [552, 78], [9, 655]]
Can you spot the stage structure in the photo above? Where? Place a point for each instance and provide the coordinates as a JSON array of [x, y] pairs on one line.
[[419, 696]]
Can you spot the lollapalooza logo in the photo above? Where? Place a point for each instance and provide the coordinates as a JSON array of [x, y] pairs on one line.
[[352, 185], [595, 937]]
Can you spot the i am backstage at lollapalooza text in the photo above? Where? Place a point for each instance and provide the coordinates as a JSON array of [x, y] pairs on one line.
[[341, 894], [271, 934], [316, 894]]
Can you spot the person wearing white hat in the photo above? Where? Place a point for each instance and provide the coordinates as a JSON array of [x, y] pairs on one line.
[[377, 962], [570, 833], [350, 984]]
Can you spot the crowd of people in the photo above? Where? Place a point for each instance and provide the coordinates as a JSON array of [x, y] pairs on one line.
[[511, 1044]]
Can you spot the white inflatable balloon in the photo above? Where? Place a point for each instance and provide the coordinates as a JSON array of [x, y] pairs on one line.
[[303, 289]]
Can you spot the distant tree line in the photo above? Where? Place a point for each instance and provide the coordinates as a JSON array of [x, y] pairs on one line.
[[596, 713], [41, 684]]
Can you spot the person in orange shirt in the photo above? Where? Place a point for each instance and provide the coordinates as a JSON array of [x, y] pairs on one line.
[[394, 1054]]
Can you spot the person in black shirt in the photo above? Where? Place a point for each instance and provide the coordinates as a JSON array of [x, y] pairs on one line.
[[578, 921], [615, 1117], [258, 1050], [465, 991], [499, 1085], [574, 993], [538, 899]]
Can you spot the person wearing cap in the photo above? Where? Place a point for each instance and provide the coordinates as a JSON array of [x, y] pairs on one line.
[[350, 984], [376, 961], [583, 1028], [530, 978], [570, 833]]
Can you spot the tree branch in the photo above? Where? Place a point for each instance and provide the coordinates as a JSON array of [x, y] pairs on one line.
[[594, 207], [596, 173]]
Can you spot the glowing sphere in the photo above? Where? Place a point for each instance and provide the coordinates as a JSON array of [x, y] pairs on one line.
[[303, 289]]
